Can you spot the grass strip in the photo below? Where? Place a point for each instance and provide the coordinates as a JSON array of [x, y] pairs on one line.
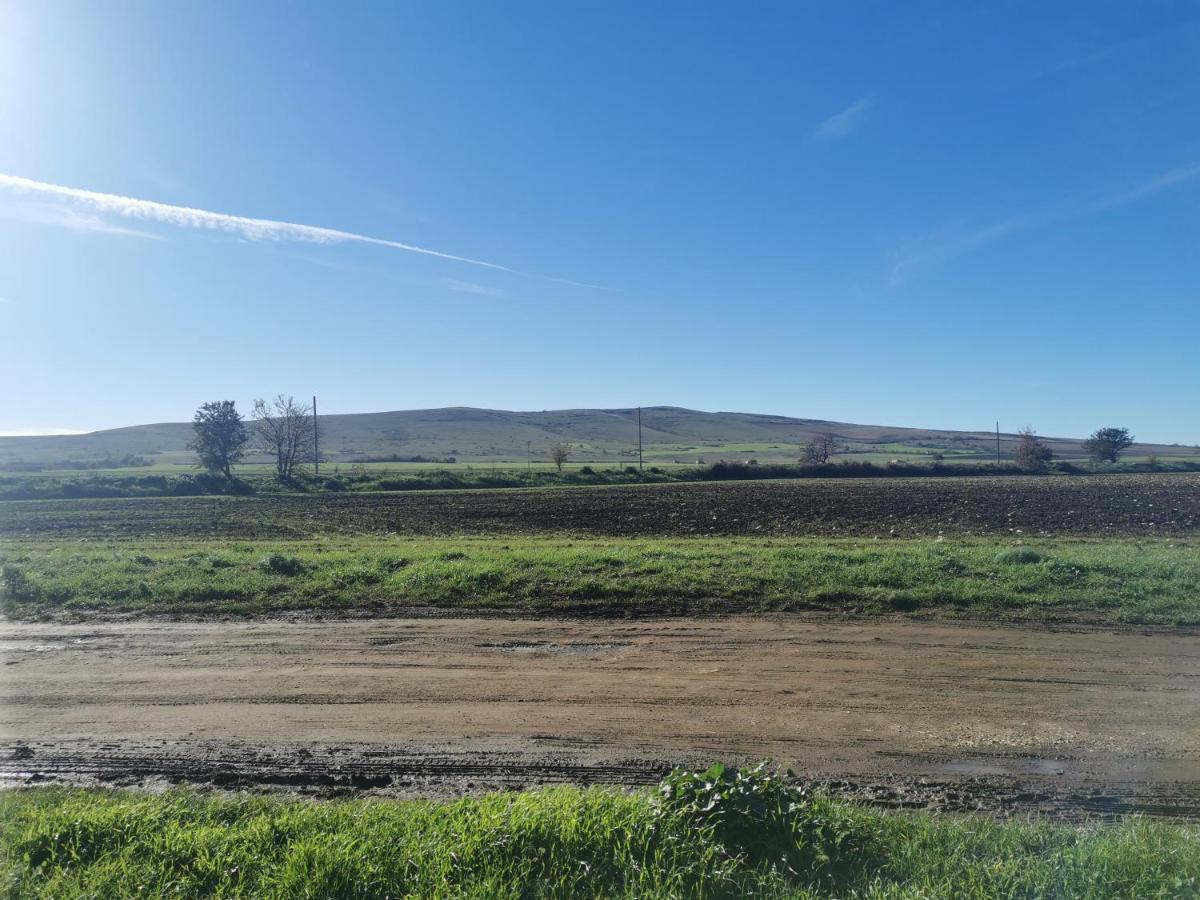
[[561, 842], [1108, 581]]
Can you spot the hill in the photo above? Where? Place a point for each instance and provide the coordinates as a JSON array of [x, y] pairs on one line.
[[468, 435]]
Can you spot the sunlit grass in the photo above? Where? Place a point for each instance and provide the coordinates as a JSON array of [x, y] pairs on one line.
[[561, 842], [1107, 580]]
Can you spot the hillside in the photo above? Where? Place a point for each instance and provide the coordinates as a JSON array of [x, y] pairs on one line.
[[670, 434]]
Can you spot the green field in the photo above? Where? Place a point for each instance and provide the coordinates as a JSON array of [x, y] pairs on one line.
[[668, 461], [1131, 581], [736, 841]]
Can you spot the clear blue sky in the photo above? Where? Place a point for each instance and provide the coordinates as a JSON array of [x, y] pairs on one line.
[[936, 214]]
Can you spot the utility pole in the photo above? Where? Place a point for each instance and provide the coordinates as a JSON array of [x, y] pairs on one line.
[[529, 456], [316, 438], [639, 438], [997, 443]]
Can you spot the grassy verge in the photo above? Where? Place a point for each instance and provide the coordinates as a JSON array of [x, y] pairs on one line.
[[1147, 581], [563, 842]]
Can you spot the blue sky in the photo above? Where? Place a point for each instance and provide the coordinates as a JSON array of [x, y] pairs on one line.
[[936, 214]]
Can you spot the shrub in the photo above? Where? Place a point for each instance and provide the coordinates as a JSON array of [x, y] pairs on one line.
[[280, 564], [759, 816], [1032, 454], [1019, 556], [747, 810], [17, 584]]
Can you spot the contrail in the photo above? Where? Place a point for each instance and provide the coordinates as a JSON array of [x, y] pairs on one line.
[[254, 229]]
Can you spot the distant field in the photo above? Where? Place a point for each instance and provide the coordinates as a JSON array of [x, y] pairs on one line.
[[328, 468], [662, 460], [885, 507]]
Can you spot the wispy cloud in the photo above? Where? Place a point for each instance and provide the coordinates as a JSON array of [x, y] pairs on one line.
[[7, 301], [67, 217], [846, 122], [1156, 185], [959, 240], [469, 287], [186, 217]]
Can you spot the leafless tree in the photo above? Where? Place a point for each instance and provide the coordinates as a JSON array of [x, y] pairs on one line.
[[819, 450], [559, 454], [286, 430], [1032, 453]]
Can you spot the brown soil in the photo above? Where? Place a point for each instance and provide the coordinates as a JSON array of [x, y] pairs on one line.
[[912, 507], [961, 717]]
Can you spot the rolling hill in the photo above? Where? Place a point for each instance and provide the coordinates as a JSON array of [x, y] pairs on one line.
[[670, 434]]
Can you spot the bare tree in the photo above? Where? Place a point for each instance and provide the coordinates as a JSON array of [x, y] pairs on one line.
[[221, 436], [559, 454], [1032, 453], [819, 450], [286, 430], [1107, 444]]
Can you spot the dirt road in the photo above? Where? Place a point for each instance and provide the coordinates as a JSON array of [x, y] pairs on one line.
[[902, 713]]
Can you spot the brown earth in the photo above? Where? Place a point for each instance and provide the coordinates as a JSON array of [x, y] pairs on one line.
[[961, 717], [1067, 505]]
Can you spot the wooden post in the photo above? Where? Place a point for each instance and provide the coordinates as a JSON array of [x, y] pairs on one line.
[[639, 438]]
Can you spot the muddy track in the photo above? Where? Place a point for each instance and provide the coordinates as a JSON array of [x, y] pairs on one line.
[[1073, 723], [386, 770], [1083, 505]]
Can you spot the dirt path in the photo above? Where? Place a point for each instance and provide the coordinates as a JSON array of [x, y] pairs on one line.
[[1003, 718]]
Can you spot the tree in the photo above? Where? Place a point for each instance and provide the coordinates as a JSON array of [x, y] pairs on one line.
[[1032, 453], [559, 454], [221, 436], [1107, 444], [818, 450], [286, 430]]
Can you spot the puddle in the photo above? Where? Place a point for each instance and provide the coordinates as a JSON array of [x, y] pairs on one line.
[[1024, 765], [577, 649]]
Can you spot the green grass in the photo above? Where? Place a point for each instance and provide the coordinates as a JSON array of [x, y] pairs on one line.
[[1117, 580], [561, 842]]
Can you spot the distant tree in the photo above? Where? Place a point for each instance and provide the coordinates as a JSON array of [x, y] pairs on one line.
[[220, 436], [286, 430], [818, 451], [559, 454], [1032, 453], [1107, 444]]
